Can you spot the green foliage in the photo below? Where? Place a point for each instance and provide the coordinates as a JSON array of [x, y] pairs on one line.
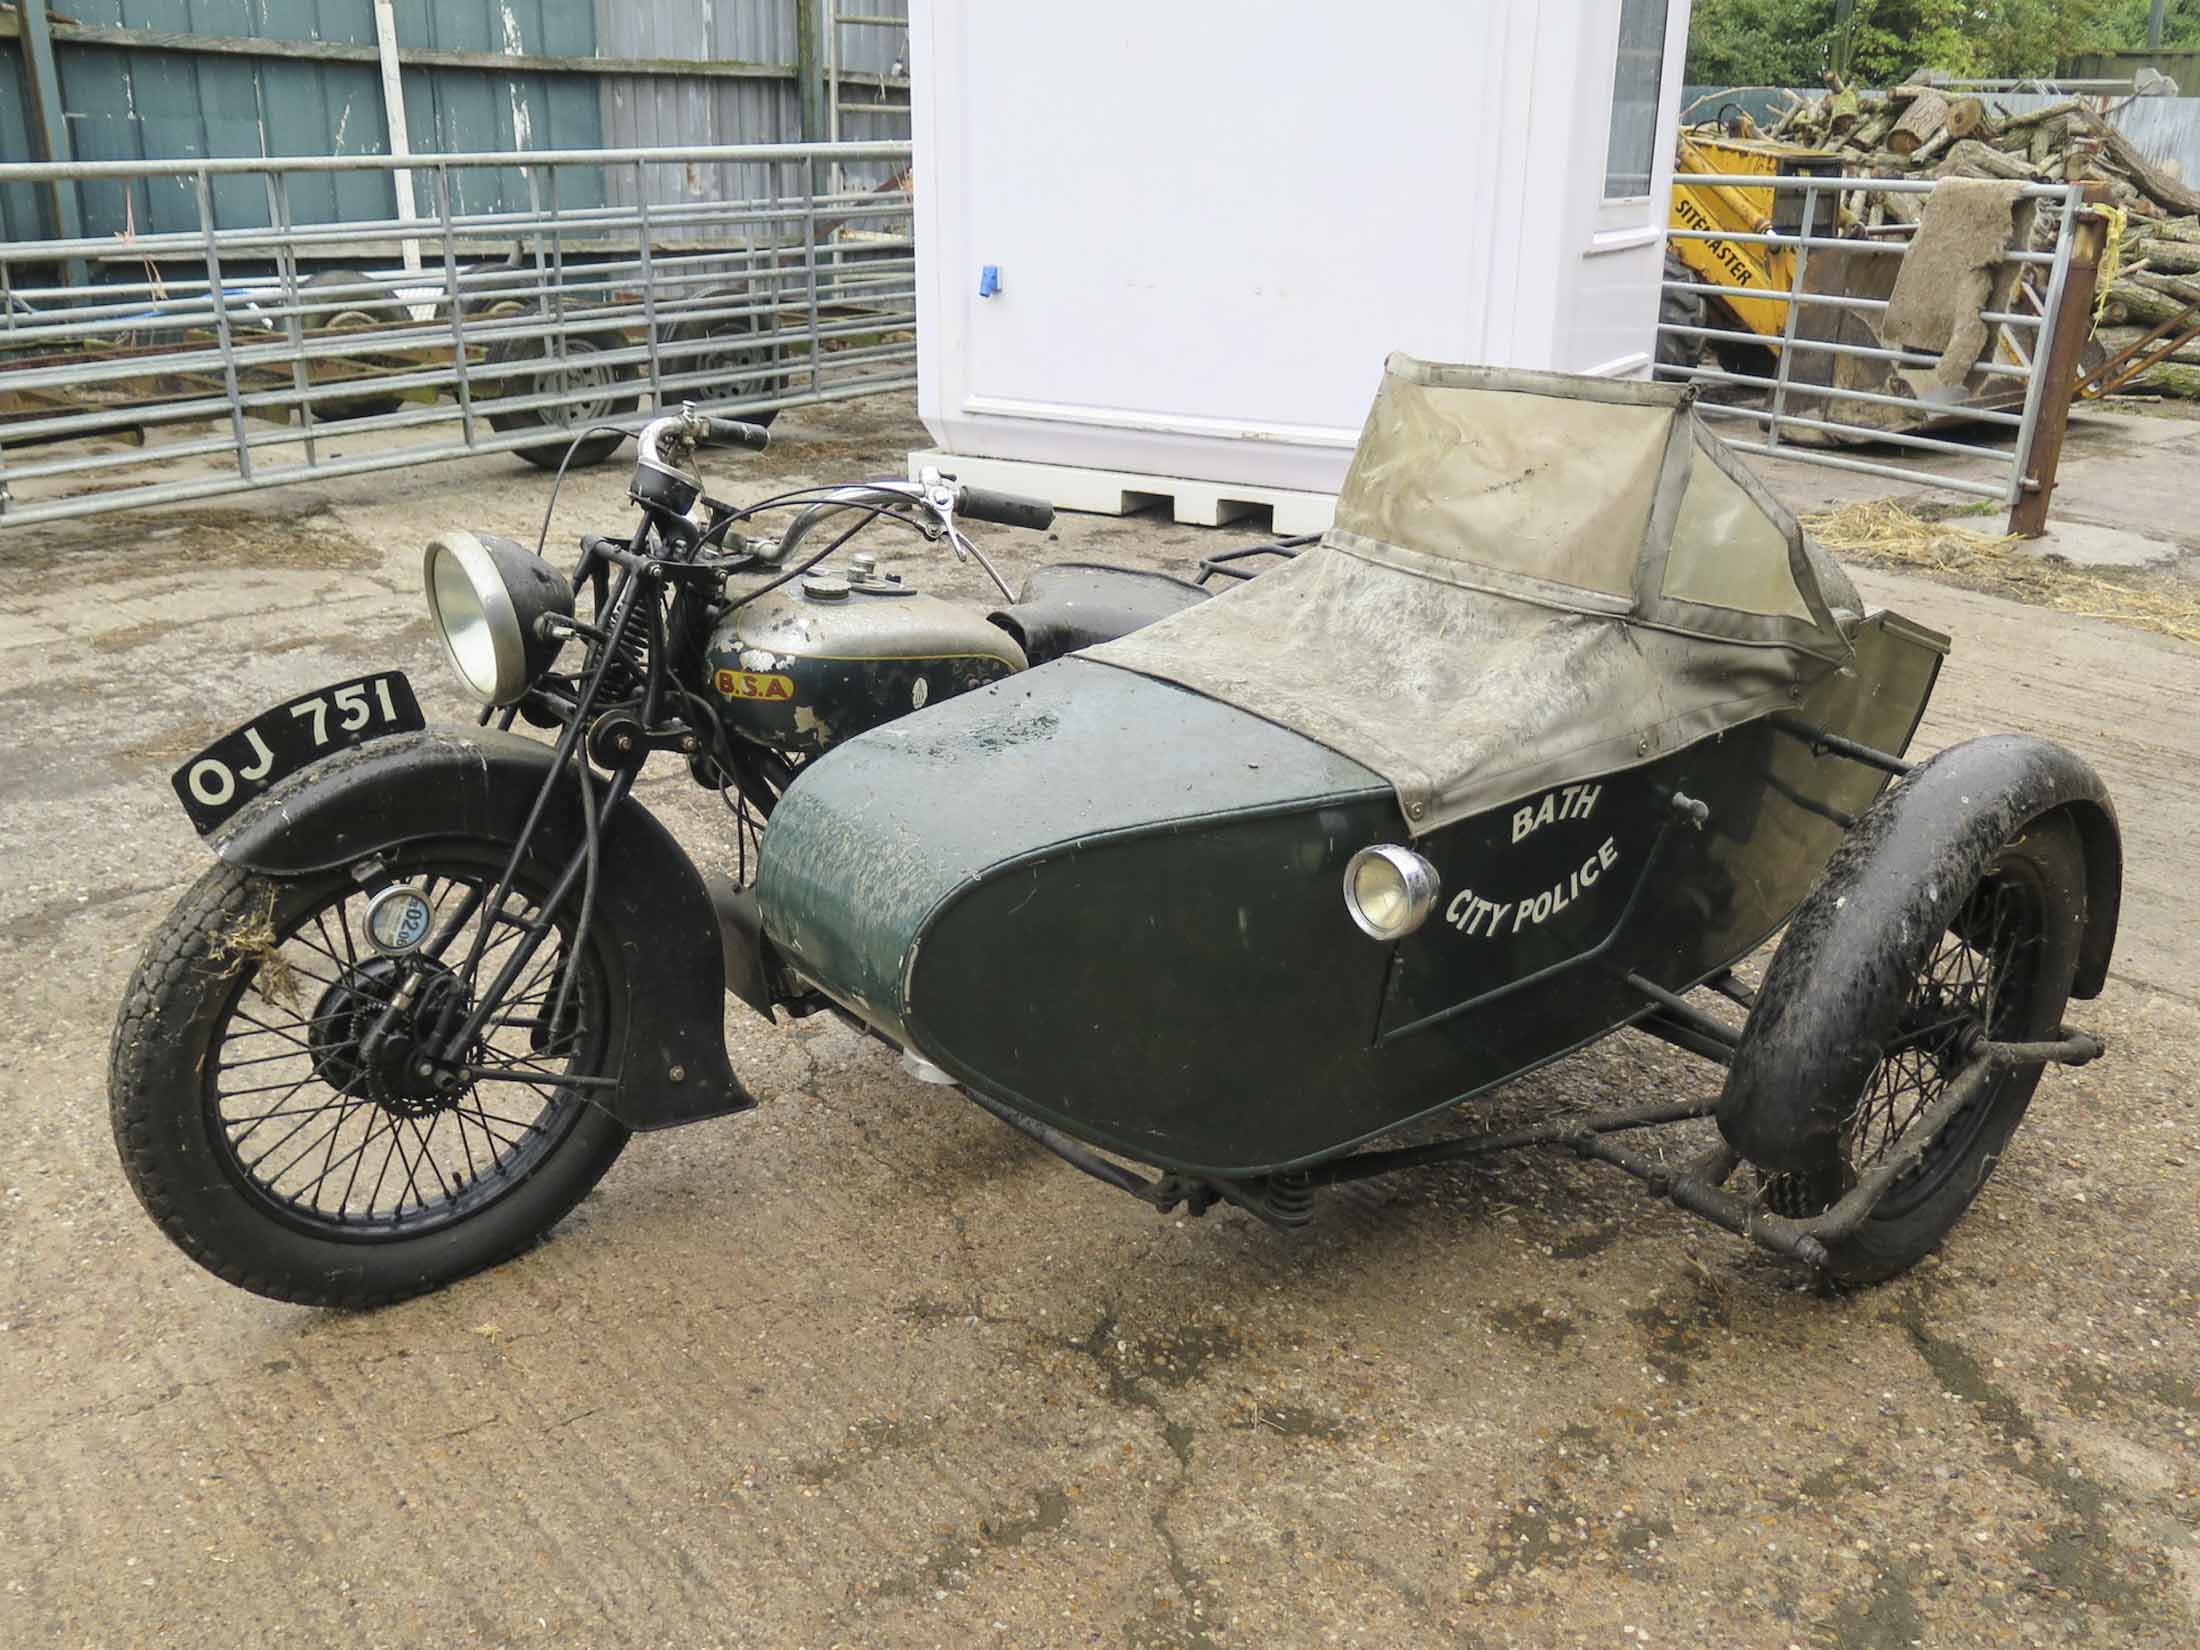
[[2127, 25], [1758, 42], [1793, 42]]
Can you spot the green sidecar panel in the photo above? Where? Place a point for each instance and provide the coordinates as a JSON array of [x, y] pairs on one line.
[[1116, 905], [874, 839]]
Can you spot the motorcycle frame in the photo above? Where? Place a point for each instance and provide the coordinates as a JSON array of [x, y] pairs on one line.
[[622, 743]]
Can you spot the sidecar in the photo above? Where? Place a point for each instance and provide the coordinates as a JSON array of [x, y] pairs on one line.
[[1559, 724]]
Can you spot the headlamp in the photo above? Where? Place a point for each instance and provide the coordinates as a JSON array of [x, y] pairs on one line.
[[486, 596], [1389, 891]]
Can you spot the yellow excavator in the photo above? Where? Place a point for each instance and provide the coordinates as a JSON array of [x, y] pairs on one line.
[[1744, 266]]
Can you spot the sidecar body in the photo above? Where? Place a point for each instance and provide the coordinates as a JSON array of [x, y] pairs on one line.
[[1560, 649]]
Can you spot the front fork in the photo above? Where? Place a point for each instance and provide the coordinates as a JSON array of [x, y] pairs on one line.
[[442, 1056], [446, 1062]]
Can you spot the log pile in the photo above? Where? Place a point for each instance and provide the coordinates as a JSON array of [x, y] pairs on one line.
[[1918, 131]]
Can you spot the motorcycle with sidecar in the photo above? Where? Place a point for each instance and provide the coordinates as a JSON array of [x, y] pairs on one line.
[[1225, 892]]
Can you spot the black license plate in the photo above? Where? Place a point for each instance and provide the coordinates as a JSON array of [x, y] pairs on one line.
[[243, 766]]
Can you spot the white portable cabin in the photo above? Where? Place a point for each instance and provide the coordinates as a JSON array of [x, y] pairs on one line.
[[1164, 246]]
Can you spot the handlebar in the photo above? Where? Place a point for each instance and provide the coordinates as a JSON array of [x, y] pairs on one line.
[[1004, 509], [732, 432]]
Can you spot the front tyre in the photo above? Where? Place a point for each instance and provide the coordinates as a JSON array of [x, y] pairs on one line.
[[288, 1153]]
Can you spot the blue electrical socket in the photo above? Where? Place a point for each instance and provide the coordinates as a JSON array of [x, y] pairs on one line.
[[989, 280]]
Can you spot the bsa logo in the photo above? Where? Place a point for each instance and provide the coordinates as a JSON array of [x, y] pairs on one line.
[[751, 684]]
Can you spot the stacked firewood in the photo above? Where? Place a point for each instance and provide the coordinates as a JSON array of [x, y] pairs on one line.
[[1921, 131]]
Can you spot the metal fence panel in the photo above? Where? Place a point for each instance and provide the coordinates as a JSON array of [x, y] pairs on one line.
[[666, 111], [519, 328], [188, 78]]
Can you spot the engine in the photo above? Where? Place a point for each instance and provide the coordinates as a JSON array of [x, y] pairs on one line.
[[836, 653]]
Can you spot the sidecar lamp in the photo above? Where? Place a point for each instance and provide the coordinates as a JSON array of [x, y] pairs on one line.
[[487, 597], [1390, 891]]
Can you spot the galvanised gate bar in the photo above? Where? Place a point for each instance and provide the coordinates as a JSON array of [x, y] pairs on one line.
[[146, 369]]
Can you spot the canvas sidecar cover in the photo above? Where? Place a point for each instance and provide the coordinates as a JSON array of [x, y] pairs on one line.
[[1533, 577]]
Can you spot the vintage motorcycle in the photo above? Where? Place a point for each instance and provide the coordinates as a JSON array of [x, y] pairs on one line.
[[1560, 722]]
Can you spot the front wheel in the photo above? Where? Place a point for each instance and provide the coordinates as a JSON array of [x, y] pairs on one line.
[[288, 1152]]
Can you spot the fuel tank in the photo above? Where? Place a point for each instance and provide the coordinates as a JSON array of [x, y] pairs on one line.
[[836, 653]]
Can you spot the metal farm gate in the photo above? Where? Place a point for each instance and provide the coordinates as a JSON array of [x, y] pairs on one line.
[[1825, 388], [231, 356], [236, 229]]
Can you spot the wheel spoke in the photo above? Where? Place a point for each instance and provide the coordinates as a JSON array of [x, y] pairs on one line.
[[289, 1134], [311, 1146], [395, 1149], [336, 1140], [332, 1162], [423, 1136], [266, 1088], [261, 1059], [357, 1158], [336, 1102], [486, 1124], [264, 1029]]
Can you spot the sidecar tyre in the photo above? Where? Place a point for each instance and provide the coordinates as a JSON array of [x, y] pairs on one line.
[[490, 1186], [1870, 1035]]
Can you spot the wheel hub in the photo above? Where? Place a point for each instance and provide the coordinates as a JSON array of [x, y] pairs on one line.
[[397, 1077]]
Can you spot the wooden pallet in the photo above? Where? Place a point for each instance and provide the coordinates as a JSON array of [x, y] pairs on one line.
[[1123, 492]]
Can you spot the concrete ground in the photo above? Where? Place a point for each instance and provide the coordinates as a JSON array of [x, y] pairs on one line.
[[2123, 497], [864, 1368]]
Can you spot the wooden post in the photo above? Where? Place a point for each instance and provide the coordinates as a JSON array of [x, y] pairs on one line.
[[809, 68], [50, 127], [393, 114], [2059, 363]]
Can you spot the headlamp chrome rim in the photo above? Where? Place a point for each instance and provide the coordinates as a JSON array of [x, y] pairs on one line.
[[483, 593], [1416, 889]]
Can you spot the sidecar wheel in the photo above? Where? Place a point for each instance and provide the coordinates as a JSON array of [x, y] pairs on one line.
[[2002, 967], [278, 1157]]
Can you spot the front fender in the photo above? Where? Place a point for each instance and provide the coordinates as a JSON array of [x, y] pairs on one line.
[[651, 903]]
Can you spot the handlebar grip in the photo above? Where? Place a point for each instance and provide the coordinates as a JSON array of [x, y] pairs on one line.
[[1006, 509], [733, 433]]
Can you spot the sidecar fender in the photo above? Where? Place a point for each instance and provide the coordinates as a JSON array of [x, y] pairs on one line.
[[1890, 891], [650, 899]]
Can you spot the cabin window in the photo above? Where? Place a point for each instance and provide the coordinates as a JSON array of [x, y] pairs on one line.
[[1631, 153]]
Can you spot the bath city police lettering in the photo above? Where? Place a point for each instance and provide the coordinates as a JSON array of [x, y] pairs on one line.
[[1473, 913]]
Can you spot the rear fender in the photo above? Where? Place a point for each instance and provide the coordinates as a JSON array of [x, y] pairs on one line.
[[651, 902], [1896, 882]]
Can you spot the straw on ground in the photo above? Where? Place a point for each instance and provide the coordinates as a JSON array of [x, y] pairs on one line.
[[1882, 533]]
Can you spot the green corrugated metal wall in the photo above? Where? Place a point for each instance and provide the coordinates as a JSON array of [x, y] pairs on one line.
[[138, 104]]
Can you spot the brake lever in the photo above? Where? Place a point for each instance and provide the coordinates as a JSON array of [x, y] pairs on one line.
[[939, 497]]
